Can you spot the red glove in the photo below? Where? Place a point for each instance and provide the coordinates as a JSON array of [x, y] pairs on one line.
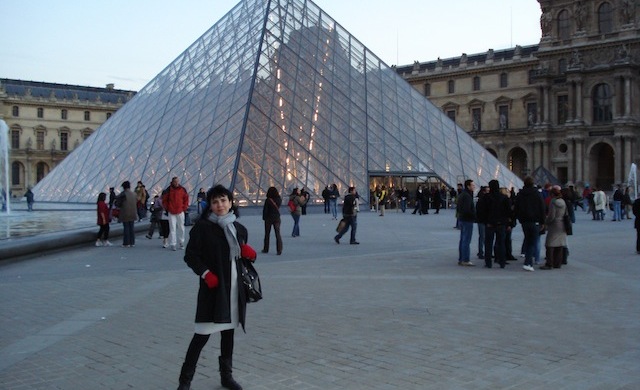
[[211, 279], [248, 252]]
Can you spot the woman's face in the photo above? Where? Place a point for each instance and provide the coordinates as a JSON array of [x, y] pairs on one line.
[[220, 205]]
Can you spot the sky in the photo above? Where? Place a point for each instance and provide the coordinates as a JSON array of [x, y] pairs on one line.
[[129, 42]]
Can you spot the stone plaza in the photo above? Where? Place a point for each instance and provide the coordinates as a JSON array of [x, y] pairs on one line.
[[395, 312]]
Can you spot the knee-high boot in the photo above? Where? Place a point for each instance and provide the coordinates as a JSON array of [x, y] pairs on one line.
[[191, 359], [186, 375], [226, 379]]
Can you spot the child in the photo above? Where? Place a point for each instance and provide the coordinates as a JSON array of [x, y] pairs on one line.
[[103, 221]]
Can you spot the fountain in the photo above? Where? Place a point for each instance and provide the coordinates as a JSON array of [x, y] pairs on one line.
[[4, 168]]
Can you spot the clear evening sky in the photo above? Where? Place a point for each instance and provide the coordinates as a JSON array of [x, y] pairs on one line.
[[128, 42]]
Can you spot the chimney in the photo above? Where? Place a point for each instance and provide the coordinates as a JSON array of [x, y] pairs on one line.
[[110, 86]]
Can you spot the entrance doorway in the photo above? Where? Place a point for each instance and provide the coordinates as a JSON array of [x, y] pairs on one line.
[[602, 166], [396, 182]]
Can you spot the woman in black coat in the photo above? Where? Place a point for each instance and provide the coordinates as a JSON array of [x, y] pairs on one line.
[[216, 243], [271, 217]]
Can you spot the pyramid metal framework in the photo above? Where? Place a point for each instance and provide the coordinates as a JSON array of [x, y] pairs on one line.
[[276, 93]]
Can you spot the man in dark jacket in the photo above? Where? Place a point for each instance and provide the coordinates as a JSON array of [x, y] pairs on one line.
[[466, 213], [494, 211], [350, 216], [529, 210]]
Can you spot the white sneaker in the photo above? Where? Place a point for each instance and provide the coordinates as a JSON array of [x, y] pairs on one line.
[[173, 248], [527, 268], [165, 245], [98, 243], [181, 246], [107, 243]]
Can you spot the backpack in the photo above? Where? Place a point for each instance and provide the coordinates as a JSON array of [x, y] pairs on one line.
[[292, 205]]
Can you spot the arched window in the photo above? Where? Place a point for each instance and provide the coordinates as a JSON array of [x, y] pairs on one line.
[[563, 25], [602, 104], [605, 18]]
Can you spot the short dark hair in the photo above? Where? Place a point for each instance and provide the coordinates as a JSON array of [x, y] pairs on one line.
[[467, 183], [528, 181], [126, 185]]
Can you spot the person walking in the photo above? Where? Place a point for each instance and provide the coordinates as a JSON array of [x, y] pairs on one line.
[[216, 243], [350, 216], [297, 201], [334, 194], [127, 203], [271, 218], [556, 234], [29, 196], [466, 211], [156, 216], [103, 221], [175, 201]]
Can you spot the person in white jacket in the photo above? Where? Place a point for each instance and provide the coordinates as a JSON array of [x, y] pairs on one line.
[[600, 203]]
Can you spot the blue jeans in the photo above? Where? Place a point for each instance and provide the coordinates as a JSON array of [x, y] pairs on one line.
[[617, 210], [466, 231], [481, 227], [350, 221], [296, 226], [403, 205], [333, 207], [128, 237], [530, 246]]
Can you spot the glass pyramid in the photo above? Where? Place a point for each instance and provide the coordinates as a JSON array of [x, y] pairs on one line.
[[278, 94]]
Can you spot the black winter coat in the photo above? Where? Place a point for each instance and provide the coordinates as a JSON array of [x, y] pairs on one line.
[[208, 249], [271, 209], [494, 209], [529, 206]]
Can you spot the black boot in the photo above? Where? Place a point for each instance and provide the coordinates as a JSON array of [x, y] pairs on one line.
[[186, 375], [226, 380]]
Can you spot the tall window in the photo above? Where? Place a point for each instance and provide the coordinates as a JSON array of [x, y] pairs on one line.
[[563, 25], [476, 83], [40, 140], [605, 18], [562, 66], [504, 81], [40, 112], [532, 113], [451, 86], [563, 109], [15, 173], [452, 115], [476, 119], [427, 89], [41, 170], [64, 141], [63, 114], [109, 114], [15, 139], [602, 104], [15, 111], [503, 117], [87, 115], [531, 76]]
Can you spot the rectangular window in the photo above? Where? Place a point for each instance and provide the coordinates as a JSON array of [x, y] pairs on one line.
[[563, 109], [532, 76], [40, 112], [452, 115], [85, 135], [532, 113], [476, 115], [15, 173], [452, 86], [503, 117], [15, 111], [427, 90], [15, 139], [108, 115], [40, 140], [64, 141], [476, 83], [87, 116], [63, 114], [504, 80]]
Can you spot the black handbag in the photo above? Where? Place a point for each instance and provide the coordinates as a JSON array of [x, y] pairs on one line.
[[251, 281], [341, 225]]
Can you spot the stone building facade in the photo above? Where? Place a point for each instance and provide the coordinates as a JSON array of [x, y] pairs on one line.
[[569, 104], [48, 121]]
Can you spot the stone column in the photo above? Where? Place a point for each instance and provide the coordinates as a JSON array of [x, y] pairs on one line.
[[579, 152], [570, 160], [545, 154], [617, 159], [627, 97], [572, 105], [627, 154], [578, 102], [547, 106]]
